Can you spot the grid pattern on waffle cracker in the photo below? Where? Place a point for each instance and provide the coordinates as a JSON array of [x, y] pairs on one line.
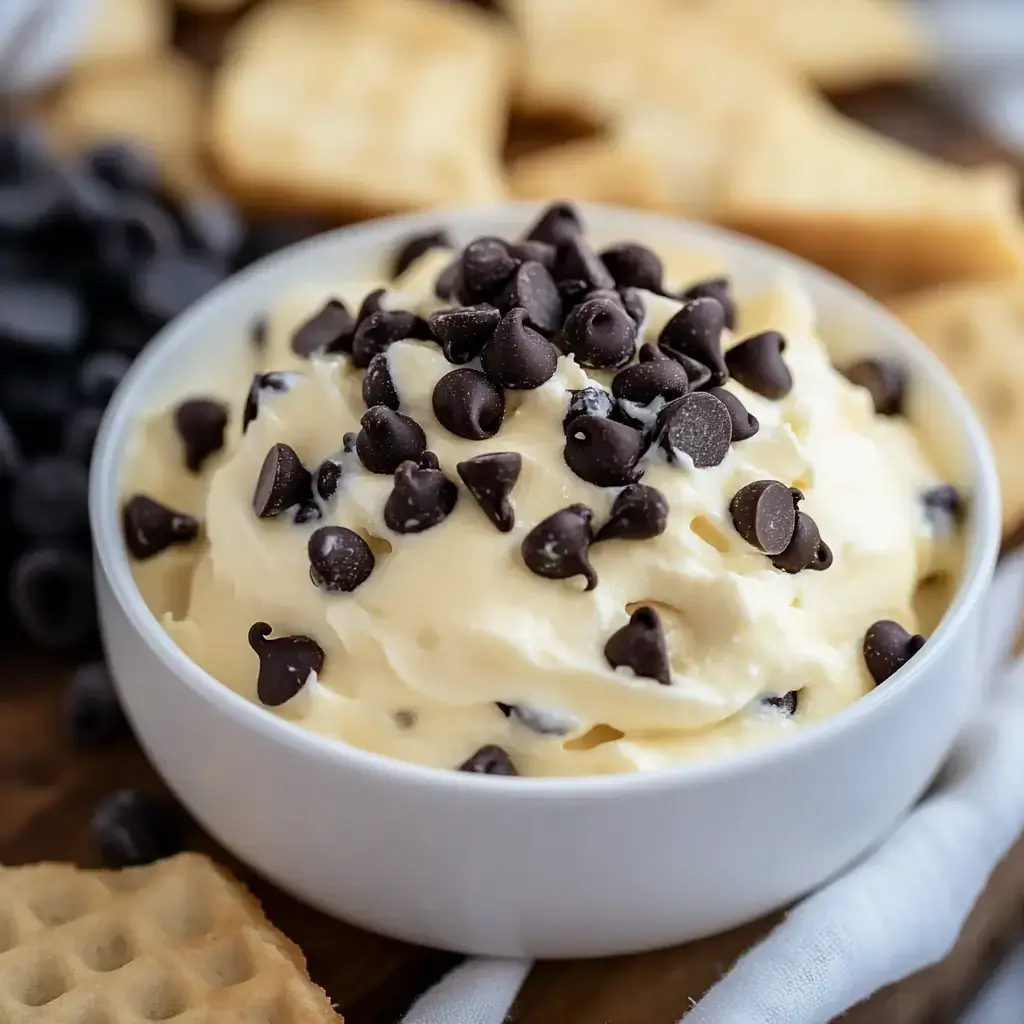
[[179, 939]]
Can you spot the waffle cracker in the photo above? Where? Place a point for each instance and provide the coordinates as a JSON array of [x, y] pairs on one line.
[[179, 938], [978, 332]]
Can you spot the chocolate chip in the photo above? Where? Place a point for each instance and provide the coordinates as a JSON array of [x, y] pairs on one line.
[[422, 497], [200, 423], [131, 827], [308, 512], [490, 479], [489, 760], [557, 548], [888, 647], [655, 376], [150, 527], [279, 382], [600, 334], [339, 559], [603, 452], [258, 329], [574, 292], [744, 424], [697, 425], [576, 261], [464, 331], [633, 266], [886, 381], [786, 703], [696, 331], [378, 385], [557, 223], [387, 439], [327, 478], [373, 302], [330, 330], [283, 482], [764, 514], [349, 441], [806, 550], [719, 289], [757, 364], [588, 401], [416, 246], [382, 329], [696, 373], [486, 267], [517, 357], [468, 404], [532, 288], [639, 512], [530, 249], [286, 664], [943, 503], [449, 281], [640, 646], [633, 303]]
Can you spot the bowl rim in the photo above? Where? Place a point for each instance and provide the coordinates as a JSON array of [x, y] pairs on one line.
[[981, 547]]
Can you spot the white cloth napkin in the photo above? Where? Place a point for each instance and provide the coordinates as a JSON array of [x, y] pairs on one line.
[[896, 912]]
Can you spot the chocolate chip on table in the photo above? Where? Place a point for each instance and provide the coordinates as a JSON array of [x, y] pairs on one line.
[[489, 760], [52, 598], [464, 331], [490, 479], [99, 376], [886, 381], [655, 376], [697, 425], [530, 249], [806, 550], [696, 331], [124, 167], [757, 364], [633, 266], [640, 646], [329, 330], [719, 289], [466, 403], [943, 503], [150, 527], [131, 827], [273, 381], [416, 246], [286, 663], [49, 498], [327, 478], [588, 401], [387, 439], [602, 451], [200, 423], [485, 269], [339, 559], [282, 483], [211, 225], [40, 318], [169, 284], [764, 514], [93, 716], [744, 424], [639, 512], [373, 302], [78, 435], [517, 357], [422, 498], [532, 288], [557, 548], [600, 334], [378, 384], [557, 223], [382, 329], [888, 647], [136, 233], [786, 703]]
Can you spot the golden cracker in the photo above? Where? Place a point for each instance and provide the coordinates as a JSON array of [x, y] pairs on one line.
[[126, 29]]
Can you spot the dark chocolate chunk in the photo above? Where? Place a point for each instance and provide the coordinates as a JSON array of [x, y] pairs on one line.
[[944, 503], [373, 302], [200, 423], [576, 261], [489, 760], [464, 331], [696, 331], [329, 330], [387, 439], [92, 712], [558, 547], [655, 376], [274, 381], [806, 550], [378, 385], [529, 249], [150, 527], [422, 497], [588, 401], [757, 364], [640, 646], [517, 357], [490, 479], [283, 482], [633, 266], [468, 404], [602, 451], [557, 223], [382, 329], [286, 664], [131, 827], [600, 334], [339, 559], [699, 426], [888, 647], [764, 514], [416, 246], [52, 597], [639, 512], [786, 703], [719, 289], [532, 288], [486, 267], [886, 381], [744, 424], [327, 478]]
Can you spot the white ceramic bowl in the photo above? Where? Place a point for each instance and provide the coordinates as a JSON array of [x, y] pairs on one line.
[[538, 867]]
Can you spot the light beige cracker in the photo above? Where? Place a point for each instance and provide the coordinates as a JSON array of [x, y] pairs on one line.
[[126, 29], [363, 107], [178, 939]]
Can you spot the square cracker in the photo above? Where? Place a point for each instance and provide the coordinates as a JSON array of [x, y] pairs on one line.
[[179, 938], [361, 107], [977, 330]]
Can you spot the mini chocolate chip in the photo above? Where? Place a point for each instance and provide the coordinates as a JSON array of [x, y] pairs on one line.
[[274, 381], [699, 426], [327, 478], [422, 497], [489, 760], [543, 253], [468, 404], [449, 281], [150, 527], [639, 512], [806, 550], [339, 559], [517, 357], [382, 329], [258, 327], [886, 381], [490, 479], [757, 364], [286, 664], [696, 331], [764, 514], [744, 424], [786, 703], [330, 330], [416, 246], [373, 302], [576, 261], [387, 439], [603, 452], [633, 303], [283, 482], [600, 334], [633, 266], [719, 289], [464, 331], [888, 647], [944, 502], [486, 267], [532, 288], [200, 423], [557, 223], [349, 440], [655, 376], [378, 385], [588, 401], [557, 548], [308, 512], [640, 646]]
